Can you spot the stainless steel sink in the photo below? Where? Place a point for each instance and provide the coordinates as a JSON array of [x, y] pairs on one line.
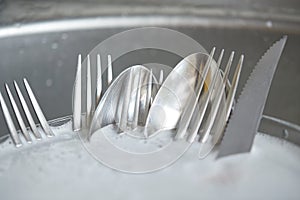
[[41, 41]]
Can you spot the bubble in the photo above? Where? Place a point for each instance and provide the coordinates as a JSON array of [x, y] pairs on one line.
[[21, 52], [54, 46], [49, 82], [269, 24], [60, 63], [64, 36]]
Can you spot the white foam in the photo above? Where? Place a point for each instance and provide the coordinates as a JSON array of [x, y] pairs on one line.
[[63, 169]]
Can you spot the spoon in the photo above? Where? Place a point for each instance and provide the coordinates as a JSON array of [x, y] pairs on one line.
[[126, 101], [174, 94]]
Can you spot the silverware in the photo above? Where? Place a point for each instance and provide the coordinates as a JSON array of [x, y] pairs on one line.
[[161, 77], [13, 131], [213, 127], [137, 98], [192, 117], [190, 108], [244, 122], [126, 102], [129, 111], [174, 94], [77, 90], [217, 100]]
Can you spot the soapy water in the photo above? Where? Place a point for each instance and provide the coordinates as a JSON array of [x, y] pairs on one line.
[[128, 142], [271, 171], [119, 151]]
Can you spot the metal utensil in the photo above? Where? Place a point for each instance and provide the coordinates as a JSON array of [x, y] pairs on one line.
[[172, 97], [190, 109], [213, 127], [126, 102], [77, 90], [26, 133], [243, 124]]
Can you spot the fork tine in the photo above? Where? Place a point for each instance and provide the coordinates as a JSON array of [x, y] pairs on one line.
[[194, 129], [109, 70], [149, 91], [99, 80], [220, 58], [38, 110], [202, 110], [217, 101], [18, 115], [27, 113], [88, 92], [161, 77], [228, 66], [189, 110], [137, 102], [148, 99], [234, 85], [77, 98], [124, 112], [12, 129], [219, 125]]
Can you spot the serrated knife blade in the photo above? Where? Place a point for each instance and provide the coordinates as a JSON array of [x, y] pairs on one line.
[[247, 113]]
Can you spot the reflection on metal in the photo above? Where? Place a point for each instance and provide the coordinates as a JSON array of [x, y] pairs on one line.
[[89, 95], [244, 122], [26, 133]]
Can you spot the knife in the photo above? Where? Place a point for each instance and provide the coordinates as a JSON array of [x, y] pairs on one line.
[[244, 121]]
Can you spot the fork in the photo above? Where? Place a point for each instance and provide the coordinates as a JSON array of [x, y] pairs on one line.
[[135, 84], [77, 95], [8, 118], [124, 123], [189, 111]]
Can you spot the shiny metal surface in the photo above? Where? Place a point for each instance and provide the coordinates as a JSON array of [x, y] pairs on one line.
[[244, 122], [109, 70], [232, 90], [122, 95], [172, 97], [161, 77], [99, 80], [10, 123], [216, 104], [38, 111], [41, 40], [203, 106], [12, 129], [189, 108], [76, 97], [57, 51], [18, 115], [28, 115], [213, 129], [91, 97]]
